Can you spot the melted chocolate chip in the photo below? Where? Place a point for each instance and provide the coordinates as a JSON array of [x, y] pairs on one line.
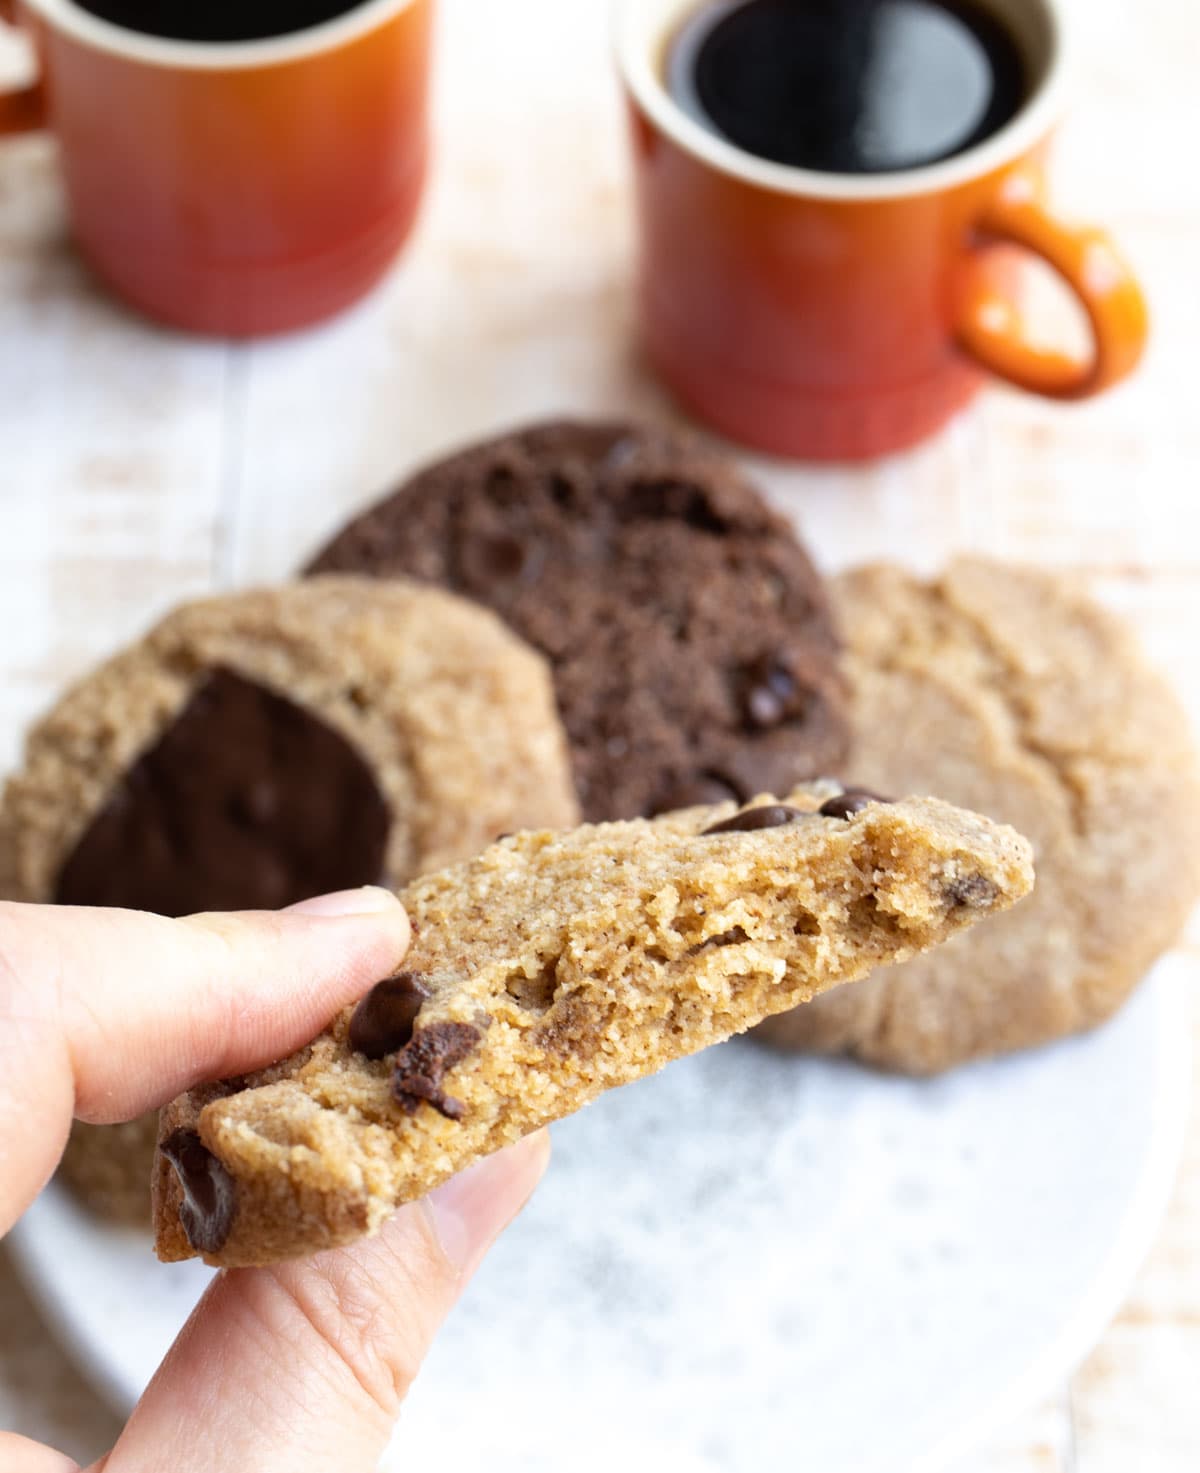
[[769, 816], [763, 707], [383, 1022], [771, 695], [209, 1195], [846, 804], [246, 802], [972, 890], [423, 1062]]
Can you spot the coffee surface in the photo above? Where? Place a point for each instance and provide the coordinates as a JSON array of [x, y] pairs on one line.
[[848, 86], [217, 20]]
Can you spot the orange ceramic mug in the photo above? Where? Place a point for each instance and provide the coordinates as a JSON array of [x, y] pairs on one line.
[[839, 316], [242, 187]]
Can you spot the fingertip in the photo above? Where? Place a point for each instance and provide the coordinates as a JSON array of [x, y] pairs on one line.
[[20, 1455], [470, 1210], [537, 1150], [373, 917], [260, 984], [364, 900]]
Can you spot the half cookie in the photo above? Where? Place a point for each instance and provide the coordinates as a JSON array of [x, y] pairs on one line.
[[1008, 690], [548, 969], [688, 632], [260, 748]]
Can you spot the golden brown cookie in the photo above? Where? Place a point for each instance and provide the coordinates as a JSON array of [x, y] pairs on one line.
[[552, 967], [1009, 691], [261, 747], [108, 1167]]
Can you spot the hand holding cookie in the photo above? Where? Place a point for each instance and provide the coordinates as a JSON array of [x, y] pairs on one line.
[[301, 1366]]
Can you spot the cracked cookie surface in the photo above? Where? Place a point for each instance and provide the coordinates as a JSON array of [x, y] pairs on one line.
[[552, 967], [1010, 691]]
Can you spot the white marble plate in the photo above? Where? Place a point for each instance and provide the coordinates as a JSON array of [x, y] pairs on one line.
[[756, 1262]]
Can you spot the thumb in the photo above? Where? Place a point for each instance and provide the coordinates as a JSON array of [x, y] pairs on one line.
[[104, 1013], [303, 1366]]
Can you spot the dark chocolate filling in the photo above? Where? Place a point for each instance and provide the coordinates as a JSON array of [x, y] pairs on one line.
[[246, 801]]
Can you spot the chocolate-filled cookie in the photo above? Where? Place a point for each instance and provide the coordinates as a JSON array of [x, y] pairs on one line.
[[689, 636], [256, 749], [1008, 690]]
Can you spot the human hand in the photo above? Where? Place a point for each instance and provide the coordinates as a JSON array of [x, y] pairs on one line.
[[301, 1366]]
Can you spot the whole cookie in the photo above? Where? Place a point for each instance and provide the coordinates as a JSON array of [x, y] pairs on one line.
[[693, 654], [259, 748], [1009, 691]]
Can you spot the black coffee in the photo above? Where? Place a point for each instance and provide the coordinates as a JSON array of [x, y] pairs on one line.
[[848, 86], [217, 20]]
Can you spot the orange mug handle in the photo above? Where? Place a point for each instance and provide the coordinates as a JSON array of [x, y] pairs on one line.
[[989, 327], [22, 110]]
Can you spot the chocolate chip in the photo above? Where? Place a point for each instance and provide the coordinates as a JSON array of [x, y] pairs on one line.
[[769, 816], [972, 890], [423, 1062], [383, 1022], [771, 694], [846, 804], [209, 1195], [698, 792]]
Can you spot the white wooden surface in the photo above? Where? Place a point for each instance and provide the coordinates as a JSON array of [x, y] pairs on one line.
[[137, 467]]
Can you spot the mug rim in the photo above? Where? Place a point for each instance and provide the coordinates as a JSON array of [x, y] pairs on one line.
[[636, 54], [71, 19]]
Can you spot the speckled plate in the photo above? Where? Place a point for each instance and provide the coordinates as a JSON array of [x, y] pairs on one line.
[[757, 1262]]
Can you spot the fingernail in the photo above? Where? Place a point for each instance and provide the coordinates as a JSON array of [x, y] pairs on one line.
[[471, 1210], [366, 900]]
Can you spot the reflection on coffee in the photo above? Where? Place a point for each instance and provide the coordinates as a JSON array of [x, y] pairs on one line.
[[849, 86], [217, 20]]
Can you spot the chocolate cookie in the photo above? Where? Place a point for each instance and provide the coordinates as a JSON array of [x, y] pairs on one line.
[[550, 968], [689, 636], [1008, 690], [263, 747]]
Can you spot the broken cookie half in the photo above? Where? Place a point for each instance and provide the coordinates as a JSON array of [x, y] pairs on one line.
[[548, 969]]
